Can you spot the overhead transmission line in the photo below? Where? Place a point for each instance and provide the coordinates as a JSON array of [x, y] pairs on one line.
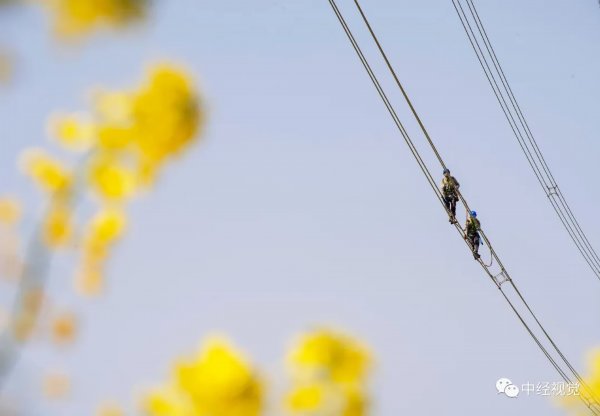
[[499, 277], [486, 55]]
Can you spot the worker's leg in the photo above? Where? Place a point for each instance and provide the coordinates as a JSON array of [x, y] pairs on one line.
[[476, 241], [450, 204], [447, 202], [453, 205]]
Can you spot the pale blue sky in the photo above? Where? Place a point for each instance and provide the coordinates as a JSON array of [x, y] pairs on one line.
[[303, 206]]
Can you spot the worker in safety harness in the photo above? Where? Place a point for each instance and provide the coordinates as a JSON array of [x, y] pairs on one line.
[[450, 193], [472, 228]]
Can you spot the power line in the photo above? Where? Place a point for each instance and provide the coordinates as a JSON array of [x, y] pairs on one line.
[[593, 406], [486, 55]]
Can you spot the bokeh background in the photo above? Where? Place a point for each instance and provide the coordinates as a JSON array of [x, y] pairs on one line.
[[301, 205]]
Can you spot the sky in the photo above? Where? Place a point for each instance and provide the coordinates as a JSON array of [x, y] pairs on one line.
[[302, 206]]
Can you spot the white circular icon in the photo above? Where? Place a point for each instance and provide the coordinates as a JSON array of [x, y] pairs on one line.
[[502, 384], [511, 391]]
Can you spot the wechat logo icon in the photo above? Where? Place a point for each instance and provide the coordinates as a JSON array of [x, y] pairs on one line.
[[506, 387]]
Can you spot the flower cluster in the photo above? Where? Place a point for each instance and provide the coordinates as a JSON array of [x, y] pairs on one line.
[[76, 17], [219, 381], [126, 140], [329, 371], [116, 151]]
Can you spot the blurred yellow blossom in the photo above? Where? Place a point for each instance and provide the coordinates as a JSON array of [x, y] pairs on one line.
[[341, 357], [218, 382], [166, 114], [308, 398], [113, 107], [64, 328], [10, 210], [113, 137], [329, 372], [77, 17], [47, 172], [57, 226], [169, 401], [110, 179], [104, 229], [107, 226], [328, 399], [155, 123], [128, 137], [72, 131]]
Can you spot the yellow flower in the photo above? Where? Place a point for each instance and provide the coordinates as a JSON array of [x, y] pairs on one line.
[[111, 137], [49, 174], [110, 179], [327, 398], [10, 210], [104, 229], [355, 400], [64, 328], [169, 401], [166, 114], [72, 132], [307, 398], [57, 226], [107, 226], [335, 355], [76, 17], [218, 382], [113, 107], [330, 371]]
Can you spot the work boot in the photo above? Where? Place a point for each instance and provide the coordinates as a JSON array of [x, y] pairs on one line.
[[476, 256]]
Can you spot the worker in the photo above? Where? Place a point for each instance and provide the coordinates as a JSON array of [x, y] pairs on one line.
[[450, 188], [472, 228]]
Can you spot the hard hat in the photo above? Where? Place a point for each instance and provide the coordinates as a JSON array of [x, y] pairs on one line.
[[473, 214], [446, 171]]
